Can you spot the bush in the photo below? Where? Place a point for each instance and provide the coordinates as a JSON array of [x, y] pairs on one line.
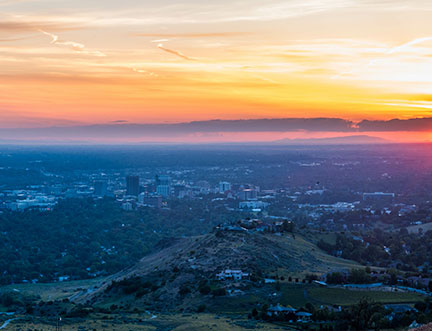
[[184, 289], [255, 313], [201, 308], [131, 285], [205, 289], [79, 312], [219, 292]]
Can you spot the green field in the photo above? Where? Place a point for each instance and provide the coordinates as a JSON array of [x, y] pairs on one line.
[[342, 297], [52, 291], [294, 295]]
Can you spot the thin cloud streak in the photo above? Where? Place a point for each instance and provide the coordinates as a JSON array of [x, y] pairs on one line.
[[386, 53], [13, 39], [408, 44], [30, 26], [192, 35], [75, 46], [159, 41], [142, 71], [177, 53]]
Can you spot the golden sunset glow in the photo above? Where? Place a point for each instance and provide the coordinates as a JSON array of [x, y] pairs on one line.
[[64, 62]]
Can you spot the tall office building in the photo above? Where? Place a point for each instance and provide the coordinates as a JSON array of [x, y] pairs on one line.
[[163, 180], [132, 185], [163, 190], [224, 187], [163, 185]]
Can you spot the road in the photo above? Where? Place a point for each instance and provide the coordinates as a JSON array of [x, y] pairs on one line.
[[5, 324]]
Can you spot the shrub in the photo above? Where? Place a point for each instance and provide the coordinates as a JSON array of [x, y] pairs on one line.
[[201, 308], [219, 292], [204, 290], [184, 289]]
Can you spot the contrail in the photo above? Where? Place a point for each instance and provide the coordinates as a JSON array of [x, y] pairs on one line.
[[410, 43], [179, 54], [77, 47], [401, 48], [80, 48]]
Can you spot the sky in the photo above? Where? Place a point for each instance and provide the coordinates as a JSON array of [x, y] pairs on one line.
[[82, 62]]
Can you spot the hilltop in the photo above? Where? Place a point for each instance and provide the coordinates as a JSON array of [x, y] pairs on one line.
[[174, 276]]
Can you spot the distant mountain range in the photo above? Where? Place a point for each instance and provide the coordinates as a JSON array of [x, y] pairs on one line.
[[210, 130], [345, 140]]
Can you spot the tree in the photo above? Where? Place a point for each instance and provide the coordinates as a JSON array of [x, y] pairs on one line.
[[359, 276], [393, 276], [365, 313], [335, 278], [184, 289], [205, 289], [310, 307], [255, 313], [201, 308]]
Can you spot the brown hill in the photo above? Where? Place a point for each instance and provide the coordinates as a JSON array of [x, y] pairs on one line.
[[164, 279]]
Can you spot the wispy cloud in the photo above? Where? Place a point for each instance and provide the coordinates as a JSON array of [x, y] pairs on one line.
[[145, 13], [177, 53], [192, 35], [75, 46], [30, 26], [159, 41], [12, 39], [380, 59], [424, 105], [143, 71]]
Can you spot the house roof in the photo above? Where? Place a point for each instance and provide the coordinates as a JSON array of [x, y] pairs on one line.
[[303, 314], [280, 308]]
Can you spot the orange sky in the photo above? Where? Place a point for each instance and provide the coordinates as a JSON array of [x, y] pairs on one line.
[[64, 62]]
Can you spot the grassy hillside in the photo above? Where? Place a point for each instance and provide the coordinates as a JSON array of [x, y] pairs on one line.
[[189, 262], [176, 288]]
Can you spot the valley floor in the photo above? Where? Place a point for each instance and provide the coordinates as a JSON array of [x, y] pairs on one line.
[[224, 313], [132, 322]]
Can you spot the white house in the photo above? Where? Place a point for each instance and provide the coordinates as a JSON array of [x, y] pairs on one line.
[[280, 310], [232, 274]]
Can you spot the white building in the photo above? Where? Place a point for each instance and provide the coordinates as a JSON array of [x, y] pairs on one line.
[[232, 275], [43, 203], [253, 205]]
